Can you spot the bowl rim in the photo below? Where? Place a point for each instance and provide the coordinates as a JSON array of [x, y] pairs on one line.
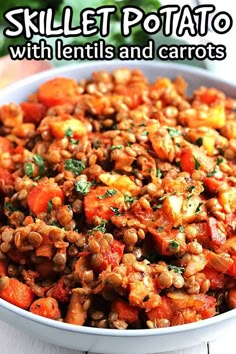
[[107, 332]]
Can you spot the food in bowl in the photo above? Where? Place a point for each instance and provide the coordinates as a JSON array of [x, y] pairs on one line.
[[118, 202]]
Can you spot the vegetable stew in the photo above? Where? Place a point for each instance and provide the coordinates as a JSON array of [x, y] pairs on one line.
[[118, 202]]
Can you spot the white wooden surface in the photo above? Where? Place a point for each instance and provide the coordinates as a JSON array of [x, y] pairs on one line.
[[13, 341]]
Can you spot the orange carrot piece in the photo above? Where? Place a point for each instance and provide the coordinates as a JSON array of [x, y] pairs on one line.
[[33, 112], [58, 91], [75, 313], [187, 162], [40, 195], [46, 307], [97, 204], [164, 310], [17, 293], [125, 311]]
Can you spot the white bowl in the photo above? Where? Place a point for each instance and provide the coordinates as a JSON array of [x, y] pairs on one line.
[[111, 340]]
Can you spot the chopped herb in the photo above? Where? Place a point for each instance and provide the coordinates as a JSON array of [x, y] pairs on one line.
[[50, 206], [129, 199], [176, 269], [55, 223], [174, 132], [74, 141], [189, 197], [155, 207], [8, 206], [39, 161], [197, 163], [145, 133], [101, 227], [174, 244], [83, 187], [116, 211], [191, 188], [29, 169], [221, 151], [210, 174], [142, 125], [219, 161], [113, 147], [177, 144], [161, 228], [108, 193], [199, 141], [96, 144], [74, 166], [181, 228], [129, 144], [178, 164], [167, 195], [114, 127], [69, 133], [198, 209], [134, 171], [159, 173], [152, 257]]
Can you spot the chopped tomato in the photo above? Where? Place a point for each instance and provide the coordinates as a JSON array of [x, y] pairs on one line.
[[212, 184], [33, 112], [111, 257], [217, 237], [217, 279], [99, 202], [187, 162], [58, 91], [39, 196], [6, 177], [164, 310]]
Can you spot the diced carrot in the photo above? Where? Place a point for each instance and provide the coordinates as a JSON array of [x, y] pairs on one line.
[[164, 310], [40, 195], [212, 184], [125, 311], [17, 293], [33, 112], [44, 251], [217, 237], [187, 162], [46, 307], [60, 125], [98, 202], [58, 91], [209, 95], [3, 267], [75, 313]]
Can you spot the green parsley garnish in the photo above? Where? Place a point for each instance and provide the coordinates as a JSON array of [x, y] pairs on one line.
[[69, 133], [197, 163], [160, 228], [189, 197], [129, 199], [181, 228], [176, 269], [101, 227], [8, 206], [113, 147], [174, 244], [108, 193], [173, 132], [55, 223], [39, 161], [29, 169], [116, 211], [50, 206], [191, 188], [145, 133], [96, 144], [159, 173], [198, 209], [74, 166], [83, 187], [218, 162], [155, 207], [199, 141]]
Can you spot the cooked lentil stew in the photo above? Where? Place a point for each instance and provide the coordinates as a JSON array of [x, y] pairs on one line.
[[118, 202]]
